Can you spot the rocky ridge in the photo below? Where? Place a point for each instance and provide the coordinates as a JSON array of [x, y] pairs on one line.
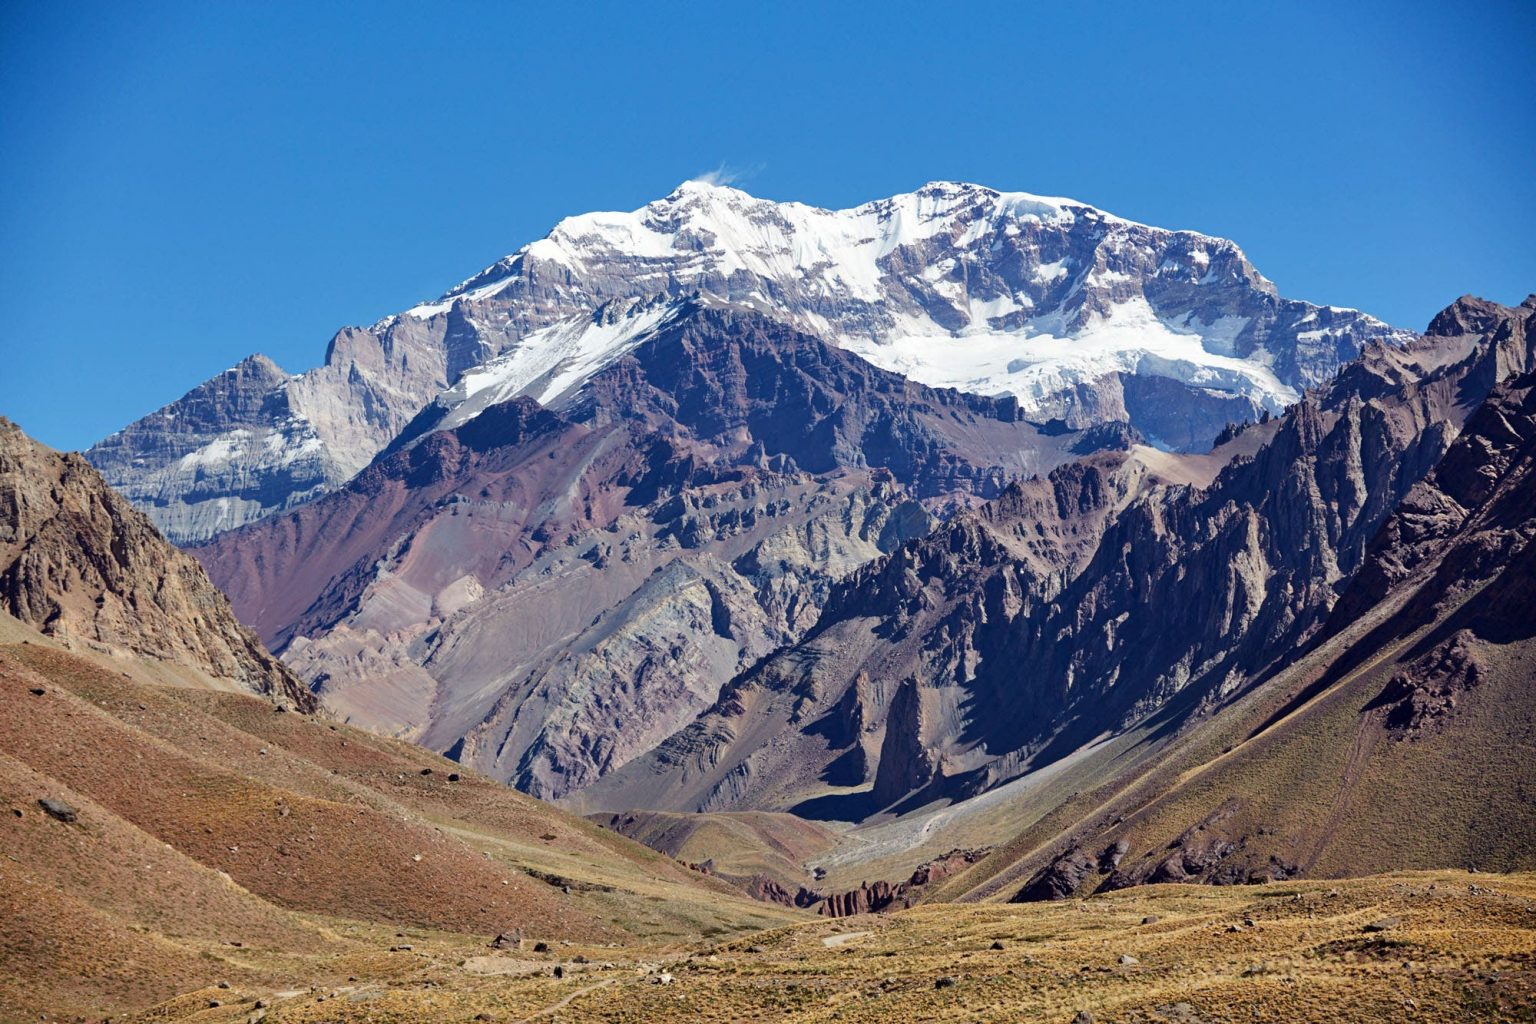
[[85, 568], [550, 593], [1418, 683]]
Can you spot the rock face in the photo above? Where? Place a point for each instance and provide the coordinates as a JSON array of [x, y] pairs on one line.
[[1077, 605], [81, 565], [549, 593], [1079, 315], [878, 897], [231, 449]]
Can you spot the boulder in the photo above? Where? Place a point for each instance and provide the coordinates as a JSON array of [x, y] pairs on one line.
[[58, 809], [510, 939]]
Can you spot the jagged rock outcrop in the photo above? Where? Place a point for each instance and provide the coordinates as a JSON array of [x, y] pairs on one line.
[[1412, 688], [880, 896], [1078, 315], [81, 565]]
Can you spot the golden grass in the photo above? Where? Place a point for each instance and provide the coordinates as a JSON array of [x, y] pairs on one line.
[[1464, 949]]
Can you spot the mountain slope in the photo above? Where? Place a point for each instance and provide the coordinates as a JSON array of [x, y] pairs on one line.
[[1078, 314], [83, 566], [549, 593], [1420, 691], [1099, 603], [209, 838]]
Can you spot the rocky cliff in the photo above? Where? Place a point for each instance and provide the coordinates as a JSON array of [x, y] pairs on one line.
[[81, 565], [1416, 692]]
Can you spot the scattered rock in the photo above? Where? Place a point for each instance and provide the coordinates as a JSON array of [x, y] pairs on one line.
[[58, 809], [400, 949], [541, 947], [1383, 924], [998, 944], [1126, 960], [38, 691], [944, 982], [1151, 919], [664, 978], [1083, 1017], [559, 970], [453, 776], [757, 949], [511, 939], [223, 984], [426, 771]]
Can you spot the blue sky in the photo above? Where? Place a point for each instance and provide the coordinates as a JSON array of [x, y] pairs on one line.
[[184, 184]]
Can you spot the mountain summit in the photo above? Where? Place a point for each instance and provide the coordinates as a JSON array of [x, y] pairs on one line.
[[1079, 315]]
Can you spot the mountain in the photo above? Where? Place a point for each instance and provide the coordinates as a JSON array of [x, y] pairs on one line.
[[81, 565], [174, 819], [550, 592], [1079, 315], [1416, 692], [1064, 634]]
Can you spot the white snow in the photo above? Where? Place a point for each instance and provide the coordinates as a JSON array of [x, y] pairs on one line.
[[549, 363], [755, 252], [722, 230], [1041, 360], [290, 440]]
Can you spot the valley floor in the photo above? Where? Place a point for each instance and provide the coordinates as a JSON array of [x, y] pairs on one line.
[[1419, 946]]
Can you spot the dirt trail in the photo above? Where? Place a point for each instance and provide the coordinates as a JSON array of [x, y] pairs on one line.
[[1367, 736], [563, 1003]]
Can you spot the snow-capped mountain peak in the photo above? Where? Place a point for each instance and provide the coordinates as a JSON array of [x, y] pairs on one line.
[[1081, 315], [954, 284]]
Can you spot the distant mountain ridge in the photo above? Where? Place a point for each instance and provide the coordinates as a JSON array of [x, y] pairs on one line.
[[1079, 315]]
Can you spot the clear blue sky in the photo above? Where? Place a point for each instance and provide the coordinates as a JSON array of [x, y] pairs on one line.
[[184, 184]]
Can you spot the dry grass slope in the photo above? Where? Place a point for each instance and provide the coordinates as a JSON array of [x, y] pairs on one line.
[[218, 838], [1462, 948]]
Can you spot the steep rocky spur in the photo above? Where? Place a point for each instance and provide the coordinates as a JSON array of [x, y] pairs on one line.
[[81, 565]]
